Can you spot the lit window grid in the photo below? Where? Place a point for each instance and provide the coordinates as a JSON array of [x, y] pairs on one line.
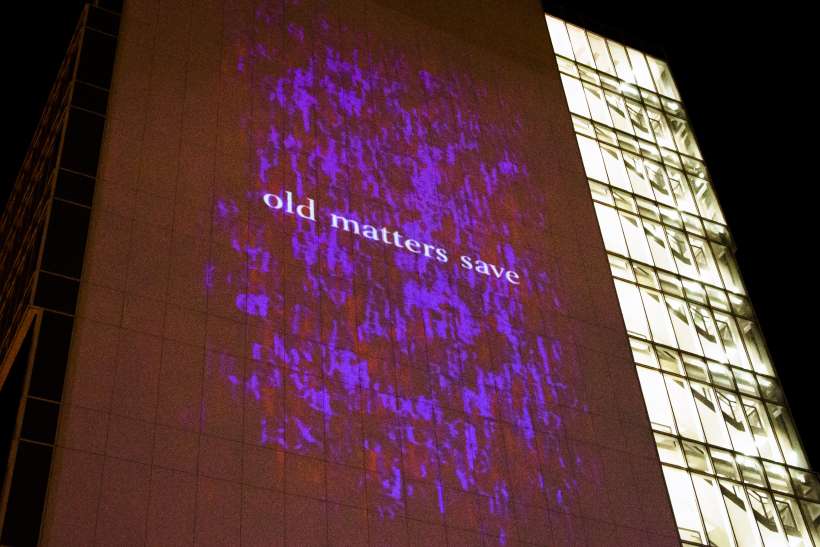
[[668, 248], [697, 411], [721, 375], [722, 512], [775, 518], [643, 148], [630, 79], [636, 167], [677, 286], [713, 402], [611, 58], [693, 315], [669, 216], [617, 105], [644, 133], [730, 426], [694, 329], [633, 167]]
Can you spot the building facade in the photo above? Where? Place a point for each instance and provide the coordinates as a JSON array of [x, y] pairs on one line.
[[732, 458], [286, 272]]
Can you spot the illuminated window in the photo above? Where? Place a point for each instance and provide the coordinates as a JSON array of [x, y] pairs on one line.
[[732, 460]]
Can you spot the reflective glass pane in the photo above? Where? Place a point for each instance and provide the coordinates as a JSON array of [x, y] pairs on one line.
[[707, 331], [669, 450], [639, 119], [751, 471], [611, 231], [792, 521], [597, 104], [710, 416], [640, 69], [567, 67], [697, 457], [618, 112], [560, 39], [696, 368], [721, 375], [600, 192], [659, 181], [680, 188], [679, 245], [576, 99], [683, 406], [591, 156], [769, 388], [736, 422], [724, 464], [705, 199], [621, 60], [683, 137], [643, 352], [740, 514], [768, 522], [762, 431], [620, 267], [660, 126], [704, 260], [684, 504], [657, 402], [615, 168], [683, 325], [601, 54], [632, 308], [658, 315], [580, 45], [714, 511], [755, 347], [732, 341], [812, 513], [658, 247], [778, 477], [662, 77], [635, 238], [806, 485], [637, 175], [787, 435]]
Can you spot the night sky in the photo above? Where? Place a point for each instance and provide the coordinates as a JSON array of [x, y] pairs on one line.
[[744, 79]]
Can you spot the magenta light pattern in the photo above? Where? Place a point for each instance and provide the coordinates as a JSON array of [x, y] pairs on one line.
[[440, 383]]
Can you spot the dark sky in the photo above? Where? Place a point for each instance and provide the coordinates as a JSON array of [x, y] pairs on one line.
[[744, 78]]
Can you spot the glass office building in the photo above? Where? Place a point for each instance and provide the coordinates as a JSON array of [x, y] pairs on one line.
[[304, 272], [732, 459]]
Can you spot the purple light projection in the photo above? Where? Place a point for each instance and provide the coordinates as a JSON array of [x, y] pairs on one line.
[[437, 381]]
